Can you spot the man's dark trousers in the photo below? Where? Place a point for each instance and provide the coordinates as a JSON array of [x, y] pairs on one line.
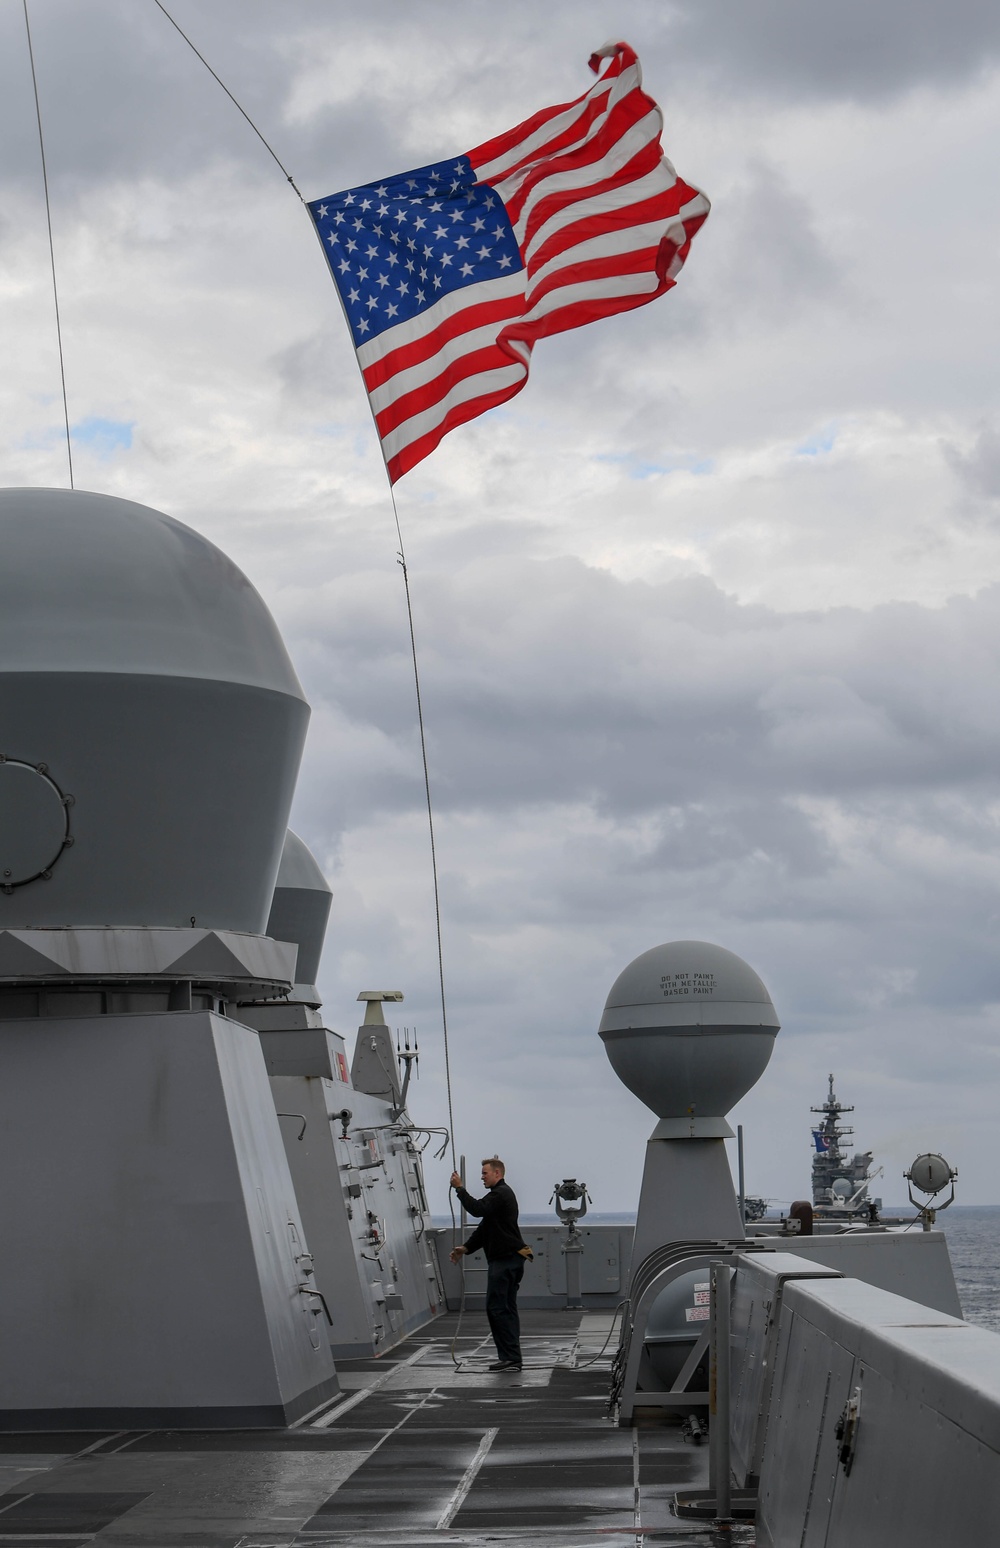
[[503, 1278]]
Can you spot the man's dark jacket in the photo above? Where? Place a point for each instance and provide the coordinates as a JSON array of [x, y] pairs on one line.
[[497, 1233]]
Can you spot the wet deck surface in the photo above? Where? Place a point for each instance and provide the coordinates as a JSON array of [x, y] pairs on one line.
[[414, 1452]]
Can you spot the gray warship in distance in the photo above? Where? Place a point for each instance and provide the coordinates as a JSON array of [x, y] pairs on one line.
[[228, 1319], [839, 1181]]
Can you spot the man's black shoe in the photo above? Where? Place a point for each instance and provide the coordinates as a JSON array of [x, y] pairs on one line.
[[506, 1365]]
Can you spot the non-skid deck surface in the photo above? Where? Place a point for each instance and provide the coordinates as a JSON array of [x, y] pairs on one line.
[[414, 1452]]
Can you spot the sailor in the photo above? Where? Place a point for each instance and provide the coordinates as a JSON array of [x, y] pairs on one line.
[[506, 1254]]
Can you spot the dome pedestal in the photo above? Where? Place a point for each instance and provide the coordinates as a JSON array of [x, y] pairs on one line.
[[687, 1195]]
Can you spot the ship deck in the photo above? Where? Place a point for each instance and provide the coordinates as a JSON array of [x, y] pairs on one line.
[[413, 1452]]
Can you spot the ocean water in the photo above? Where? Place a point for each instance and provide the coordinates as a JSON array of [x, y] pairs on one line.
[[973, 1234]]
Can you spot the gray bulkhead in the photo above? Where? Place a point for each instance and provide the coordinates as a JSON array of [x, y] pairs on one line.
[[151, 726], [351, 1148]]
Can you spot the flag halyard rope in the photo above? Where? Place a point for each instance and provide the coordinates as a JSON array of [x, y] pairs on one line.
[[237, 105], [52, 249]]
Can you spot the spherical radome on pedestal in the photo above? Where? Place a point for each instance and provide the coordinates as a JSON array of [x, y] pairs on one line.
[[689, 1028]]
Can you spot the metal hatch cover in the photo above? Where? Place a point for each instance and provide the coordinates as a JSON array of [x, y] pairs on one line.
[[34, 822]]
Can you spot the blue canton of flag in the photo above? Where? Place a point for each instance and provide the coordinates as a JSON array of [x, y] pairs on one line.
[[397, 246]]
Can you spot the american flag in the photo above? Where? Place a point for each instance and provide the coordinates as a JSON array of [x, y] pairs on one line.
[[450, 273]]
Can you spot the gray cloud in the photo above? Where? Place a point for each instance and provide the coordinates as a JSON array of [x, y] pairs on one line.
[[979, 468], [553, 681], [855, 50]]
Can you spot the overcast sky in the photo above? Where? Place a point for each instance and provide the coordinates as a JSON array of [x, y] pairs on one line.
[[709, 615]]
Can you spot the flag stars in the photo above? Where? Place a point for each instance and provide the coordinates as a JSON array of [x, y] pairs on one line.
[[415, 238]]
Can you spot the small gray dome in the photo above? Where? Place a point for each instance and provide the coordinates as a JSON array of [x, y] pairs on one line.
[[299, 912], [91, 583], [689, 1028], [299, 868]]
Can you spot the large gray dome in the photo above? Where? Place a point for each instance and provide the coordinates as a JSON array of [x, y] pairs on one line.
[[92, 583], [145, 691], [689, 1027]]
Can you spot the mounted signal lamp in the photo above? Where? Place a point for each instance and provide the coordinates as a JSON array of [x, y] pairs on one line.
[[930, 1174]]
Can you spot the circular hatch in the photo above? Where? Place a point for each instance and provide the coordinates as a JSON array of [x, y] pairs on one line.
[[34, 822]]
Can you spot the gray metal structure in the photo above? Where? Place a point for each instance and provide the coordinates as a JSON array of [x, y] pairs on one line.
[[688, 1027], [152, 723], [143, 681], [353, 1153]]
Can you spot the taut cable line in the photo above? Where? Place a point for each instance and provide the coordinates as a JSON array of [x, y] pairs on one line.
[[430, 824], [238, 106], [52, 250], [409, 615]]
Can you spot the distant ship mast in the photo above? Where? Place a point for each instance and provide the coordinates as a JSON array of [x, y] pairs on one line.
[[839, 1181]]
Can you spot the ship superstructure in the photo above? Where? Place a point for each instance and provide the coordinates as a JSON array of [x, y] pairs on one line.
[[839, 1180]]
